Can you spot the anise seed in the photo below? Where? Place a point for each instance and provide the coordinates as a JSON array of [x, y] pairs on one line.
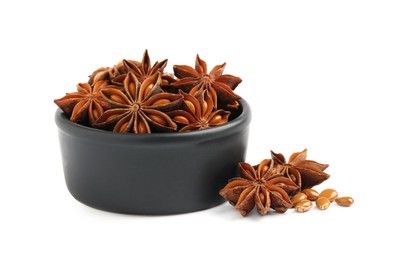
[[190, 105], [303, 206], [311, 193], [161, 102], [344, 201], [216, 119], [117, 98], [181, 119], [330, 194], [323, 203], [157, 119], [297, 198]]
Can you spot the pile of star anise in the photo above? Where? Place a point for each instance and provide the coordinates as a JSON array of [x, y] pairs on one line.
[[273, 183], [136, 97]]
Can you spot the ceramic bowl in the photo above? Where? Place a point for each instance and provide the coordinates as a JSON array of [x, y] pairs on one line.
[[151, 174]]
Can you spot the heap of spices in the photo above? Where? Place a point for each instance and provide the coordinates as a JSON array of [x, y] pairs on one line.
[[280, 185], [141, 98]]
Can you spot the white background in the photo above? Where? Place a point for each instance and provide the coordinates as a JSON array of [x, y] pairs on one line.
[[318, 74]]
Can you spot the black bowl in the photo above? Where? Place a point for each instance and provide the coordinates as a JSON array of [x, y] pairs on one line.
[[151, 174]]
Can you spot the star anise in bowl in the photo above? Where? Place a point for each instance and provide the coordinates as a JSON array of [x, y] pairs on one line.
[[141, 109], [216, 85], [199, 113], [139, 97]]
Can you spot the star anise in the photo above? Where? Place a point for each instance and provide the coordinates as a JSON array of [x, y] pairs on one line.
[[100, 74], [142, 109], [144, 69], [114, 75], [217, 86], [167, 80], [199, 114], [259, 187], [117, 74], [305, 173], [85, 105]]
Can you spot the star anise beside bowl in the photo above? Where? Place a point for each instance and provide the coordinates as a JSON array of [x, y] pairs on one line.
[[136, 140]]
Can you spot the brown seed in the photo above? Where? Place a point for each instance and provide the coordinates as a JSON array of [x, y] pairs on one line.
[[117, 98], [344, 201], [123, 127], [330, 194], [297, 198], [262, 198], [190, 105], [157, 119], [181, 119], [96, 113], [303, 206], [323, 203], [311, 193], [205, 107], [111, 117], [148, 89], [142, 128], [161, 102], [216, 119]]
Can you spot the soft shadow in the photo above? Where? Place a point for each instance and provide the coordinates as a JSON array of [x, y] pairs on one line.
[[227, 211]]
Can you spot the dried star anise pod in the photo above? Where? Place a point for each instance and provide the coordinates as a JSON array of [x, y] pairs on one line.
[[199, 114], [141, 109], [100, 74], [259, 187], [217, 86], [117, 74], [305, 173], [114, 75], [144, 69], [86, 105], [167, 80]]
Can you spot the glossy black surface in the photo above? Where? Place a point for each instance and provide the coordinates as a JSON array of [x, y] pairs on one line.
[[152, 174]]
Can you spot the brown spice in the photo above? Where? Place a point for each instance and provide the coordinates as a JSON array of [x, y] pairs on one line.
[[344, 201], [214, 84], [303, 206], [199, 113], [259, 187], [141, 109], [323, 203], [305, 173], [311, 194], [330, 194], [298, 197], [87, 104]]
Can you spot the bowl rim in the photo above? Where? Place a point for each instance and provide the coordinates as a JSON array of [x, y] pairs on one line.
[[71, 128]]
